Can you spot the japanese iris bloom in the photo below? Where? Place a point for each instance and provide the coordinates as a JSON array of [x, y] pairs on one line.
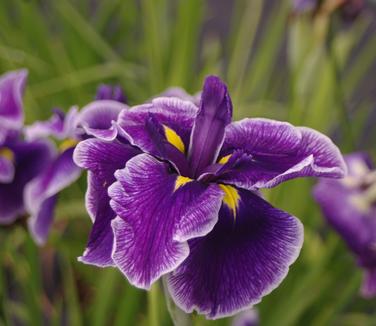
[[95, 120], [20, 161], [349, 206], [181, 199]]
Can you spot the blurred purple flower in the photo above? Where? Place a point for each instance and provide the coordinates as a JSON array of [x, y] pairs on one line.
[[108, 92], [185, 199], [349, 205], [94, 120], [20, 161]]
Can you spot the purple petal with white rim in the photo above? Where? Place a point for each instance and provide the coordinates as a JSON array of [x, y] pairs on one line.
[[61, 173], [12, 85], [278, 152], [209, 127], [102, 159], [244, 258], [157, 213], [30, 159], [98, 118], [6, 169]]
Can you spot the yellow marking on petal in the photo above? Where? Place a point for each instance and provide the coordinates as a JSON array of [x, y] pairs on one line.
[[68, 143], [231, 198], [7, 153], [224, 159], [181, 181], [174, 139]]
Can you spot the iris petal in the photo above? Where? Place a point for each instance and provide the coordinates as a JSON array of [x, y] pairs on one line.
[[275, 152], [58, 175], [102, 159], [155, 219], [238, 262], [209, 128]]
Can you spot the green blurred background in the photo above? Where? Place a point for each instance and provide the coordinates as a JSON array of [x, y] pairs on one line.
[[314, 71]]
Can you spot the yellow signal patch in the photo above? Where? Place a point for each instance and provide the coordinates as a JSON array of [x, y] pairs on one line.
[[181, 181], [70, 142], [7, 153], [224, 159], [231, 198], [174, 139]]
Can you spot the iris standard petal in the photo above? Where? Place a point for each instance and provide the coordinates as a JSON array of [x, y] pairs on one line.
[[244, 258], [6, 168], [98, 118], [158, 211], [12, 85], [102, 159], [61, 173], [30, 159], [209, 127], [277, 152]]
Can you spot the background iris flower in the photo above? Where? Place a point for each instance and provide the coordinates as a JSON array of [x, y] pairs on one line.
[[93, 120], [185, 200], [349, 205], [20, 161]]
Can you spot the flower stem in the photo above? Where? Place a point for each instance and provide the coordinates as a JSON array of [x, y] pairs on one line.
[[153, 313]]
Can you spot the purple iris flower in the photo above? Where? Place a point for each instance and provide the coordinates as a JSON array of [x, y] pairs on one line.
[[185, 201], [94, 120], [20, 161], [349, 205]]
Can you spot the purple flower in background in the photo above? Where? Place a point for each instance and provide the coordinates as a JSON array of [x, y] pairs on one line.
[[349, 205], [94, 120], [185, 201], [109, 92], [20, 161]]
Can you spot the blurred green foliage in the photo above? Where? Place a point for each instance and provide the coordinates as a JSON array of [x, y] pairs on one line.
[[277, 65]]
